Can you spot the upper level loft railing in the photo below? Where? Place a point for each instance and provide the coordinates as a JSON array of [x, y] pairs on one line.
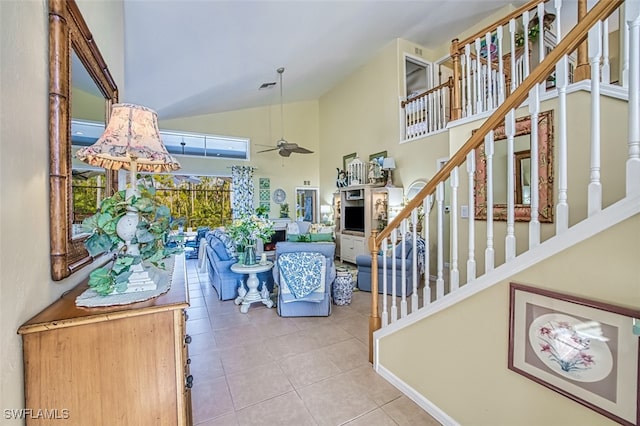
[[495, 246], [487, 66]]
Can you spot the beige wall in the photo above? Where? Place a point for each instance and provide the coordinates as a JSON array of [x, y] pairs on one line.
[[25, 283], [263, 127], [458, 357]]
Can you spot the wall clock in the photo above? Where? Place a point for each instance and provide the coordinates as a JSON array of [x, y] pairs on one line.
[[279, 196]]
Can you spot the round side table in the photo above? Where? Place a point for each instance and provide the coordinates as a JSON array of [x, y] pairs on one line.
[[246, 298]]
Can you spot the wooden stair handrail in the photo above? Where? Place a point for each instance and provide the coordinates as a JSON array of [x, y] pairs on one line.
[[448, 83], [577, 35], [491, 28]]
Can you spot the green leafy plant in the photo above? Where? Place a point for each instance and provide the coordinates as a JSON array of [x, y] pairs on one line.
[[249, 228], [151, 235]]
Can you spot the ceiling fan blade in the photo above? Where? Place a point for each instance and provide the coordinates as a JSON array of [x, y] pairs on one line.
[[284, 152], [290, 146], [301, 150], [267, 150]]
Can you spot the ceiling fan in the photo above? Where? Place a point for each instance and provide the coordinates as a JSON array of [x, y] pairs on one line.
[[283, 147]]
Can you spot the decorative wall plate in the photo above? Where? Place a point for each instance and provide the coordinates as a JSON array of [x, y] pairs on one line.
[[279, 196]]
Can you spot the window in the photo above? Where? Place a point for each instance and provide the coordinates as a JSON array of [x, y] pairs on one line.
[[85, 133]]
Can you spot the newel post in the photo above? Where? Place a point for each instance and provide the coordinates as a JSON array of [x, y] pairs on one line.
[[456, 96], [374, 318], [583, 69]]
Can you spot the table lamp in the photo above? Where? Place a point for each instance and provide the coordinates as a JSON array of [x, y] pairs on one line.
[[132, 142], [389, 164]]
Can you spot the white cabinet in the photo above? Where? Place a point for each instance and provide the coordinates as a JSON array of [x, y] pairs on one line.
[[364, 208], [351, 246]]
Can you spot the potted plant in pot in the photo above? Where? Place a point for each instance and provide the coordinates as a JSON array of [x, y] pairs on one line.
[[246, 230], [150, 236]]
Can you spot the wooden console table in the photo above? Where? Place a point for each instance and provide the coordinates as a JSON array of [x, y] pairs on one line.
[[117, 365]]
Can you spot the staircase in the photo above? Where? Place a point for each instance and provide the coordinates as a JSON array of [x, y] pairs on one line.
[[446, 346]]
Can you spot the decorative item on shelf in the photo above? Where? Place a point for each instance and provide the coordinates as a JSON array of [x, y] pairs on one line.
[[355, 172], [388, 165], [130, 141], [341, 179]]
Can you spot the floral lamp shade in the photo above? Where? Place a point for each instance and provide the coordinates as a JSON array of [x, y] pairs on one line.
[[132, 136]]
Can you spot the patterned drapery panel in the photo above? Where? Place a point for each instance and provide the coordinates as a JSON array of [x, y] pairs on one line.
[[242, 190]]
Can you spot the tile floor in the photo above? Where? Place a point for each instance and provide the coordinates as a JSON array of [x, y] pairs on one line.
[[260, 369]]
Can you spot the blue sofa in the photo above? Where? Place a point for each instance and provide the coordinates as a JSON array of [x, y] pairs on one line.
[[363, 262], [220, 256], [314, 306]]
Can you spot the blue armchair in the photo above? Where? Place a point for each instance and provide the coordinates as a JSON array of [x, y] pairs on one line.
[[220, 256], [363, 262], [317, 303]]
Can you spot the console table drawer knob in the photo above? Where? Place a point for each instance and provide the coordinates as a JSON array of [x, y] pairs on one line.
[[189, 381], [187, 339]]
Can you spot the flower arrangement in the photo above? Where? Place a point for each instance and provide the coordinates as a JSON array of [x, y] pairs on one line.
[[151, 233], [247, 229]]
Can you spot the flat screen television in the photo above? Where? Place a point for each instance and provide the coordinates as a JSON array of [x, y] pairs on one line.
[[354, 218]]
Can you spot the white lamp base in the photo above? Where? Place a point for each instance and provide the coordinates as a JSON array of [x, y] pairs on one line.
[[141, 280]]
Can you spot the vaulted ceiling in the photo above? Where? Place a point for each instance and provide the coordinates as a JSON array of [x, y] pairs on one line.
[[186, 57]]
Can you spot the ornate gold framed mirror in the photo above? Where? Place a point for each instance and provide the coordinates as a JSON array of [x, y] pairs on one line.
[[69, 35], [522, 162]]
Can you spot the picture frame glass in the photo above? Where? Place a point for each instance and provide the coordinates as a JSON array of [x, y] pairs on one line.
[[582, 349]]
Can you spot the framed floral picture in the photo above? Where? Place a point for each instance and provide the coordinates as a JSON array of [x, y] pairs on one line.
[[582, 349]]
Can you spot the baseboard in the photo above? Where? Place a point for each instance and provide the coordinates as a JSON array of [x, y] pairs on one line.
[[428, 406]]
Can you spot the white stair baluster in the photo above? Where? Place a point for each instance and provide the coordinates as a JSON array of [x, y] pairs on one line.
[[394, 307], [527, 65], [454, 273], [501, 82], [510, 239], [489, 256], [489, 92], [594, 200], [426, 292], [632, 15], [562, 208], [479, 97], [606, 68], [385, 314], [512, 33], [414, 260], [403, 270], [471, 261], [440, 247], [534, 222], [467, 54]]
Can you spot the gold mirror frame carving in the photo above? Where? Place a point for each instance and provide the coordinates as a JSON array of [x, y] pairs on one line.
[[68, 30], [522, 212]]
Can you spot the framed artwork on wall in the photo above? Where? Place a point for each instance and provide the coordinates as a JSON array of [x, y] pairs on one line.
[[347, 159], [582, 349]]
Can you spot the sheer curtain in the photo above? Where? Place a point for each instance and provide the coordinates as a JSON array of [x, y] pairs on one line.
[[242, 184]]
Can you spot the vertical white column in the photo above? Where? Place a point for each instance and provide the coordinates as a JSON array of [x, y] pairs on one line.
[[594, 198], [624, 40], [455, 272], [440, 246], [471, 260], [489, 253], [534, 222], [414, 260], [385, 313], [426, 292], [510, 239], [632, 14]]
